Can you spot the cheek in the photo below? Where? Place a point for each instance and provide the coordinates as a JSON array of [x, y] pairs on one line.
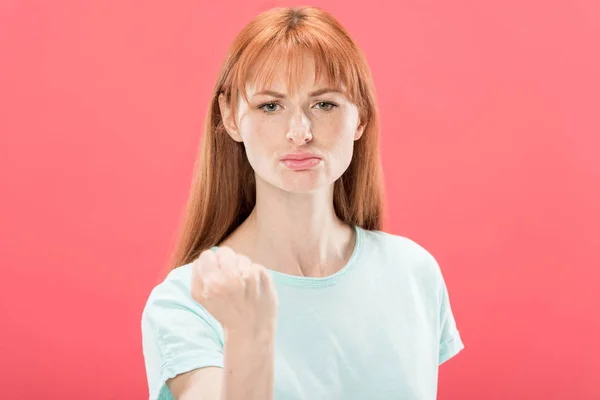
[[337, 135], [342, 142], [261, 140]]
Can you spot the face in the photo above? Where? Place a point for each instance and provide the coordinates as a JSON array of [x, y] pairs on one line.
[[313, 122]]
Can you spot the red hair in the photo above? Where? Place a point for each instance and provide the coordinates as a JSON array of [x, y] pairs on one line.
[[223, 191]]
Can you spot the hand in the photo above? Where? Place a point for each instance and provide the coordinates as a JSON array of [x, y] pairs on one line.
[[235, 291]]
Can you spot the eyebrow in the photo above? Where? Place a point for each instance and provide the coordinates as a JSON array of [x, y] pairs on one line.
[[311, 94]]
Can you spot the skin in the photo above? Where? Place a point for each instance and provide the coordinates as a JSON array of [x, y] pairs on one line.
[[293, 228]]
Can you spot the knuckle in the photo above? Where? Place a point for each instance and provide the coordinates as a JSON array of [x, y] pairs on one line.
[[207, 257], [205, 252], [225, 250], [244, 260], [261, 270]]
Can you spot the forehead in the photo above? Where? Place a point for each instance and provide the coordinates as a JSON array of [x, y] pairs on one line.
[[289, 73]]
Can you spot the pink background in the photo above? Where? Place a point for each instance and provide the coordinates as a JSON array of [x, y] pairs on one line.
[[490, 146]]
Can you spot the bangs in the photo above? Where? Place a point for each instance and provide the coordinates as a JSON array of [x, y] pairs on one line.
[[334, 59]]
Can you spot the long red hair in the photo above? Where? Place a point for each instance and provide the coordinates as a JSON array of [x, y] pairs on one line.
[[223, 190]]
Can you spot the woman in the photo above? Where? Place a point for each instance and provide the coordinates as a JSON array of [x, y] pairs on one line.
[[283, 285]]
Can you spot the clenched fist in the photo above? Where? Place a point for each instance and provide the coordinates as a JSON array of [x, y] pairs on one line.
[[235, 291]]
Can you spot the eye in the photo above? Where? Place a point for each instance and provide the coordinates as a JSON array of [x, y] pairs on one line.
[[268, 107], [326, 106]]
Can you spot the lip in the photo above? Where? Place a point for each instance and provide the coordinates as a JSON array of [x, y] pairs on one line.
[[299, 156], [300, 161]]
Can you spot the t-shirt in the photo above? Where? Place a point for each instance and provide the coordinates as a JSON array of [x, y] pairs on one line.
[[376, 329]]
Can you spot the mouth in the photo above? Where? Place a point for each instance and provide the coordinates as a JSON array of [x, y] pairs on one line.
[[298, 164]]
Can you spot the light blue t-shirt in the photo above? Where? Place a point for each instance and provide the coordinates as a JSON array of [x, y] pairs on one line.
[[377, 329]]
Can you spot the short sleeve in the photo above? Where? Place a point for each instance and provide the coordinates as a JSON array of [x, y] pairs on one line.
[[178, 334], [450, 341]]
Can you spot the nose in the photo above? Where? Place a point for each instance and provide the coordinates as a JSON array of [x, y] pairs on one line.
[[299, 131]]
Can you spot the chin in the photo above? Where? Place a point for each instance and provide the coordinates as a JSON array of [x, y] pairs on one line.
[[300, 182], [298, 190], [304, 181]]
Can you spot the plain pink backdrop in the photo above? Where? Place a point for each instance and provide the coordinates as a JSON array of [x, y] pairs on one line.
[[490, 146]]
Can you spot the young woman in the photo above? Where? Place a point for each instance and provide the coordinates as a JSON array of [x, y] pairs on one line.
[[283, 284]]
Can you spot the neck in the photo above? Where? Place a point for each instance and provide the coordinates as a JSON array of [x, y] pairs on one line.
[[296, 233]]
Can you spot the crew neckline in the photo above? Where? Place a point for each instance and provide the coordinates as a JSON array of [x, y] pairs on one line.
[[325, 281]]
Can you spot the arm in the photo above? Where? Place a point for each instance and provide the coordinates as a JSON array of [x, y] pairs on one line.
[[247, 374]]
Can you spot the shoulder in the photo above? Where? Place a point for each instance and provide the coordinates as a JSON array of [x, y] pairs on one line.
[[178, 334], [172, 296], [401, 254], [175, 286], [397, 245]]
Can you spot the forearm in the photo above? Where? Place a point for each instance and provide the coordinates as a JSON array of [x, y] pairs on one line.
[[248, 367]]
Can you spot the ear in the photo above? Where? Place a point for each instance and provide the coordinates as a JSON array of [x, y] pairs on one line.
[[359, 131], [228, 119]]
